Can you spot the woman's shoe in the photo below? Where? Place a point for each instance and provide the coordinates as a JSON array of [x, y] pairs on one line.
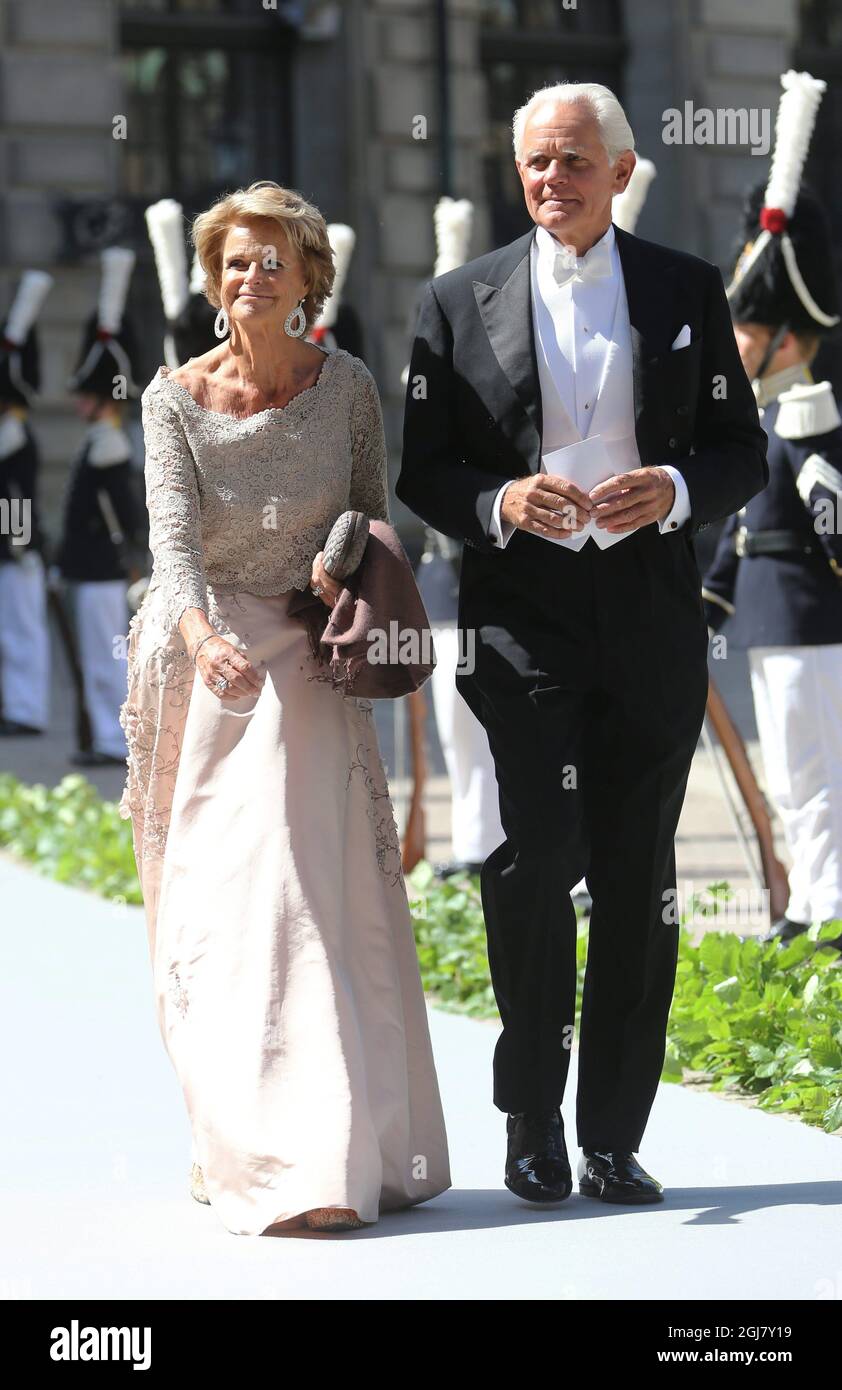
[[197, 1185], [333, 1219]]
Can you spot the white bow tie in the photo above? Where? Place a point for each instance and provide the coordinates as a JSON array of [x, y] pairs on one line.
[[594, 265]]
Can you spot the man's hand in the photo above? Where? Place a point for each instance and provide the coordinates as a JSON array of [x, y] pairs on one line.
[[547, 505], [637, 498]]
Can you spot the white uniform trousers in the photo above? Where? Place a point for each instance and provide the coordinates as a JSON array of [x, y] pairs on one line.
[[475, 806], [798, 705], [25, 641], [102, 621]]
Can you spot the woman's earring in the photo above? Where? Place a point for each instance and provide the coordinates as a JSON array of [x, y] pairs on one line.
[[220, 324], [301, 323]]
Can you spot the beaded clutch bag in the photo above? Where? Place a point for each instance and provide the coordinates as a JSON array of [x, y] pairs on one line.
[[345, 546]]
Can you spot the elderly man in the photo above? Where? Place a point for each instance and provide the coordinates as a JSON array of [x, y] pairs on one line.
[[590, 670]]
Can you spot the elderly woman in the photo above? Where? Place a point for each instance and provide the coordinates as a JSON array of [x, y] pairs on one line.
[[287, 986]]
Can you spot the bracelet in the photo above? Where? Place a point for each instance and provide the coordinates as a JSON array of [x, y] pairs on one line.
[[199, 643]]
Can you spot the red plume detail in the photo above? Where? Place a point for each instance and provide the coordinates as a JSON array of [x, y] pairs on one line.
[[773, 220]]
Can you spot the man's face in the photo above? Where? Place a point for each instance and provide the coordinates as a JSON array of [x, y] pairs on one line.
[[752, 341], [567, 181]]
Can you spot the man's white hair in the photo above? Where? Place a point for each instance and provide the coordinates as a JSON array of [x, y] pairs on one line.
[[614, 129]]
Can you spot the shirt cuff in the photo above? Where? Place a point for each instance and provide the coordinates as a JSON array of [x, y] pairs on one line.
[[680, 507], [502, 530]]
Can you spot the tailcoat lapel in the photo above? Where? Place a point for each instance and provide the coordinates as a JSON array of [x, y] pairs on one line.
[[650, 316], [505, 306]]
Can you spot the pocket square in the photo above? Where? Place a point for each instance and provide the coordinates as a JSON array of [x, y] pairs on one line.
[[683, 339]]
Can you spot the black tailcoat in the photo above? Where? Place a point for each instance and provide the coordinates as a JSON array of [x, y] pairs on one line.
[[590, 668]]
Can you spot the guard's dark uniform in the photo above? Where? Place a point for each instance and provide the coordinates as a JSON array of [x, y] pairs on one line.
[[775, 584], [24, 627], [101, 490], [102, 525], [778, 565]]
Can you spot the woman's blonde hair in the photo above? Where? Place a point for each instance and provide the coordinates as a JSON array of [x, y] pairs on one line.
[[300, 221]]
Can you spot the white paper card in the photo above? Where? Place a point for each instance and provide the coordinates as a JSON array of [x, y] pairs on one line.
[[585, 463]]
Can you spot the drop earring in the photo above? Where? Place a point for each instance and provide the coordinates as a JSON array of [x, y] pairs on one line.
[[221, 324], [301, 324]]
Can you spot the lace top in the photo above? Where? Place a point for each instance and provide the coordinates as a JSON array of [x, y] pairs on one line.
[[246, 504]]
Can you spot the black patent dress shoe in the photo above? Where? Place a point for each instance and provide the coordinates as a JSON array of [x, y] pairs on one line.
[[11, 728], [784, 930], [613, 1176], [537, 1165]]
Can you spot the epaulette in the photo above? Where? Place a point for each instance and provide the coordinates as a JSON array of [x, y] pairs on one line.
[[807, 410]]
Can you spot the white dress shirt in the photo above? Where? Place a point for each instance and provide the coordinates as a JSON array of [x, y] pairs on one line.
[[583, 347]]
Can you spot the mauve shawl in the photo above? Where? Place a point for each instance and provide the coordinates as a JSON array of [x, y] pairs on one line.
[[381, 592]]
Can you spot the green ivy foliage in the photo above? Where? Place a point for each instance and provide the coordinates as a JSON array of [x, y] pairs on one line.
[[757, 1018], [70, 834]]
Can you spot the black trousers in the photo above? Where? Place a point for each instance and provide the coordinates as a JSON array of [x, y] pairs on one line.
[[591, 681]]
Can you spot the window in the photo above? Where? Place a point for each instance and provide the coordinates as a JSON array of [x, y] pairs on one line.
[[206, 95], [524, 45]]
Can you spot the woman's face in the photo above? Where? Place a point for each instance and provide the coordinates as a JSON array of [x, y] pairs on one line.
[[263, 277]]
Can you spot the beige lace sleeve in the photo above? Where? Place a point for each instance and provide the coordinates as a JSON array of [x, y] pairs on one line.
[[172, 500], [370, 475]]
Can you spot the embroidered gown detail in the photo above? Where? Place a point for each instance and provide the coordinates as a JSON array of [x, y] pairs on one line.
[[284, 966]]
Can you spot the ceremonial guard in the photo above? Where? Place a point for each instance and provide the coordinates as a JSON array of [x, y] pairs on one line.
[[475, 828], [338, 325], [24, 627], [776, 578], [189, 331], [102, 527]]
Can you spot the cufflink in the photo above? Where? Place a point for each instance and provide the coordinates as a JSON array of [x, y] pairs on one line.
[[673, 525]]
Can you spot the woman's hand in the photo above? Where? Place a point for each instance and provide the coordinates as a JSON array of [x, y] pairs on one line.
[[330, 588], [219, 659]]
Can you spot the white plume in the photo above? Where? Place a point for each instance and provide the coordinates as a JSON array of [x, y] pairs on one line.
[[628, 205], [165, 224], [117, 266], [198, 278], [796, 117], [342, 240], [452, 219], [26, 306]]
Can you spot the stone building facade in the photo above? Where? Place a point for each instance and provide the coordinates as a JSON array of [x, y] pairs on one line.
[[327, 95]]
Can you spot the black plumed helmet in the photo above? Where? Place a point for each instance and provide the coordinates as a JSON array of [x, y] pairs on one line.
[[192, 329], [104, 356], [766, 292], [108, 347], [20, 371], [20, 376]]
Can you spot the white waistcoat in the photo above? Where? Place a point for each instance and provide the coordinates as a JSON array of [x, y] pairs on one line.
[[613, 412]]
